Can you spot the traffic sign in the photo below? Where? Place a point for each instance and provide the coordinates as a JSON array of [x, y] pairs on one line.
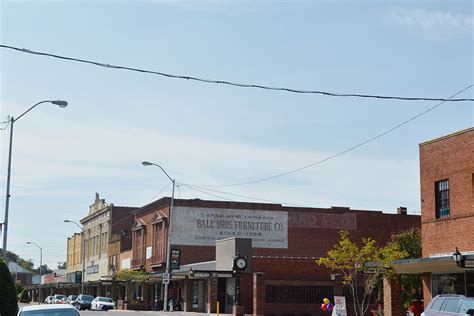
[[165, 278]]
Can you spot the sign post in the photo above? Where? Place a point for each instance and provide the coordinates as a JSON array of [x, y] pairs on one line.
[[339, 306]]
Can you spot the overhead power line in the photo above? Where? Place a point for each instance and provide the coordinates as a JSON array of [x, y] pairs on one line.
[[193, 187], [339, 153], [230, 83]]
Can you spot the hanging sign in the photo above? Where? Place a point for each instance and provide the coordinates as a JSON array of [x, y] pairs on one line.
[[175, 259]]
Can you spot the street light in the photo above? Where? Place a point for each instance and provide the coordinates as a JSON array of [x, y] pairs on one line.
[[12, 120], [167, 271], [458, 257], [41, 266], [83, 252]]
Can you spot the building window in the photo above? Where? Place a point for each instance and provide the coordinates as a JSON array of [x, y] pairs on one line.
[[442, 198], [452, 283]]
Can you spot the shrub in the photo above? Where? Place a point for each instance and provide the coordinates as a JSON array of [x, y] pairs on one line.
[[8, 303], [24, 297]]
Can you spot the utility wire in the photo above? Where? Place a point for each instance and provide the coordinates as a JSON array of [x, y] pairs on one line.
[[214, 195], [192, 187], [229, 83], [340, 153], [158, 194], [6, 126]]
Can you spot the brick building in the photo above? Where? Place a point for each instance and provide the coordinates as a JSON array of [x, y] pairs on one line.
[[105, 225], [283, 277], [74, 259], [447, 215]]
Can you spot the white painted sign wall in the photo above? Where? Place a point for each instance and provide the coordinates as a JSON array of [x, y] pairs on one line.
[[126, 263], [148, 252], [197, 226], [339, 306]]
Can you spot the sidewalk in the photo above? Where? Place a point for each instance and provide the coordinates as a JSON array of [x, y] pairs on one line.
[[161, 313]]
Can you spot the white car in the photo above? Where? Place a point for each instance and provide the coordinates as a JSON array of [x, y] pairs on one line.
[[48, 300], [48, 310], [57, 298], [101, 303]]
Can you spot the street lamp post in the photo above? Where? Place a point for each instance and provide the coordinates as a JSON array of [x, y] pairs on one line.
[[12, 120], [168, 251], [41, 267], [83, 252]]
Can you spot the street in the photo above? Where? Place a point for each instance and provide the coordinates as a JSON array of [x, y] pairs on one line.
[[128, 313]]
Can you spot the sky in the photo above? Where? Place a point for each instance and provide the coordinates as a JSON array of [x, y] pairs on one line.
[[208, 134]]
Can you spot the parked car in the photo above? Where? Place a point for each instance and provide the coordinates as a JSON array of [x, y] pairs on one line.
[[71, 299], [101, 303], [57, 298], [450, 304], [48, 300], [83, 302], [48, 310]]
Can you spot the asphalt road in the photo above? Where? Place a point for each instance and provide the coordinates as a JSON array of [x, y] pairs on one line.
[[135, 313]]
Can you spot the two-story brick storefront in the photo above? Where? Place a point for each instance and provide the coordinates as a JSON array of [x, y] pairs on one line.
[[285, 242], [447, 215]]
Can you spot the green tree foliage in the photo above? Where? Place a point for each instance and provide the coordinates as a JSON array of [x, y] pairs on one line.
[[24, 297], [132, 277], [46, 270], [10, 256], [351, 261], [8, 299], [404, 245]]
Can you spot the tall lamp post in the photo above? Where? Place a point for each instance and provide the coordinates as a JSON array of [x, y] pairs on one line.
[[168, 251], [12, 121], [83, 252], [41, 267]]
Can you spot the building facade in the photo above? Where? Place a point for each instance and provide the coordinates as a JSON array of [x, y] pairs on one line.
[[282, 277], [103, 221], [74, 259], [447, 215]]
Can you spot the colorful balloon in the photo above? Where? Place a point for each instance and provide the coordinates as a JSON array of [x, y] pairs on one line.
[[326, 301], [329, 307], [324, 307]]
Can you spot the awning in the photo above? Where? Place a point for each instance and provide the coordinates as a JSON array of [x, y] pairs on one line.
[[421, 265]]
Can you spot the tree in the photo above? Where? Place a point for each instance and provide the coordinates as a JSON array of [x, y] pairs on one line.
[[26, 264], [135, 277], [404, 245], [10, 256], [61, 265], [45, 270], [8, 301], [351, 261]]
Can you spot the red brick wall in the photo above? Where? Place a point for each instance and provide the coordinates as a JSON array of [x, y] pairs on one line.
[[450, 157], [311, 231], [122, 220]]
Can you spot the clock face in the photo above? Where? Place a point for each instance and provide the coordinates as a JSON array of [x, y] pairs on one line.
[[241, 263]]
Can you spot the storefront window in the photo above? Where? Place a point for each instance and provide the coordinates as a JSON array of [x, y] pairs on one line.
[[195, 295], [470, 283], [230, 292], [452, 283]]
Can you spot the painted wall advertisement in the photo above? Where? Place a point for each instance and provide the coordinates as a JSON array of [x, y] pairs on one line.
[[203, 226]]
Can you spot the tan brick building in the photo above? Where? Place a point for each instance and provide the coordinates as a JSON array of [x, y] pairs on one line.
[[74, 259]]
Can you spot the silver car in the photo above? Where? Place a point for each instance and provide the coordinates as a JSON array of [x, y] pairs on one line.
[[450, 304], [48, 310]]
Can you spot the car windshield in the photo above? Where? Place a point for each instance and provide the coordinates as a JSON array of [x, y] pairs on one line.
[[73, 297], [87, 298], [51, 312], [105, 299], [59, 296]]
